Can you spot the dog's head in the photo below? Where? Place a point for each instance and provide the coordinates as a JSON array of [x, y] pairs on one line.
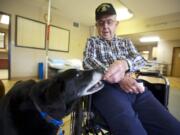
[[59, 94]]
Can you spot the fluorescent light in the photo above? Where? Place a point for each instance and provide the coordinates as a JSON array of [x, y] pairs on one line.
[[150, 39], [1, 34], [5, 19], [123, 14], [145, 52]]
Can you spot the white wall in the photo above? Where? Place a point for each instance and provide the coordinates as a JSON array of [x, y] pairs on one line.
[[165, 52], [146, 25], [24, 61]]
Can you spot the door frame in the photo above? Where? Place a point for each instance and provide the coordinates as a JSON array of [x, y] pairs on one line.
[[9, 44], [173, 59]]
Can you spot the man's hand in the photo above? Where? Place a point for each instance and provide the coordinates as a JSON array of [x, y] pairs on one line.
[[130, 85], [116, 71]]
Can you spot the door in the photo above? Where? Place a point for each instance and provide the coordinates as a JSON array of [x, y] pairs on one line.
[[176, 62]]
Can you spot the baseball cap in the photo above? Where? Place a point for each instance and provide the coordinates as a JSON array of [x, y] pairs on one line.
[[104, 9]]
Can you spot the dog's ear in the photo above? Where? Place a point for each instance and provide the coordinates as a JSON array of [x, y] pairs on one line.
[[55, 90], [55, 103]]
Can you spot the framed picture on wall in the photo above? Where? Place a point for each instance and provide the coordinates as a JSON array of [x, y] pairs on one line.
[[59, 39], [30, 33]]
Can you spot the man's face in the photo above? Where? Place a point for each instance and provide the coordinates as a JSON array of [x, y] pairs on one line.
[[106, 26]]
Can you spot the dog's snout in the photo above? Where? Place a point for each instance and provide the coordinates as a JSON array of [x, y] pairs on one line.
[[97, 75]]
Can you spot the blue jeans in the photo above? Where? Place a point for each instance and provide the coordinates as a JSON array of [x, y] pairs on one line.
[[134, 114]]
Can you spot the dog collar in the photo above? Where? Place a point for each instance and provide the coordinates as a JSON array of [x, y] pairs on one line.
[[51, 120], [48, 118], [55, 122]]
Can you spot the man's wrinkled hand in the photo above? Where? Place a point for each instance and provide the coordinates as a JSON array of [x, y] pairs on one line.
[[130, 85], [116, 71]]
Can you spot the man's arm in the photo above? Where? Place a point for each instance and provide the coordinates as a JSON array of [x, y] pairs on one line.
[[130, 61], [89, 60], [134, 59], [117, 72], [135, 62]]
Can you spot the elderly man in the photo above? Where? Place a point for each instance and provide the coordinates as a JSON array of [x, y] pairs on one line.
[[127, 107]]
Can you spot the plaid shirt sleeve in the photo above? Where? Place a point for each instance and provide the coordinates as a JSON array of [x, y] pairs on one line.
[[126, 51], [134, 59], [89, 59]]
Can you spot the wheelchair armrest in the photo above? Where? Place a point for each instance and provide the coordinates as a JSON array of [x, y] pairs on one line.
[[150, 74]]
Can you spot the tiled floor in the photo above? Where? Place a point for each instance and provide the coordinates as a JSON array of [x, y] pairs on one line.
[[174, 102]]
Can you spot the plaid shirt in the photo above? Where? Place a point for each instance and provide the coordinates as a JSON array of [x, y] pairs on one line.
[[100, 53]]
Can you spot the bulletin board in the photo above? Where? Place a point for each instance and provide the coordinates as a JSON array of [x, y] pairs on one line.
[[59, 39], [30, 33]]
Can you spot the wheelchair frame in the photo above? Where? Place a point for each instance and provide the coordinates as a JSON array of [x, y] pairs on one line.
[[83, 119]]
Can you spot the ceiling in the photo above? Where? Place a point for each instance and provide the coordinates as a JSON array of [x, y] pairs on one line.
[[152, 8], [82, 11]]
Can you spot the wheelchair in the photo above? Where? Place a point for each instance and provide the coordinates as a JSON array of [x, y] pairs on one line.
[[87, 121]]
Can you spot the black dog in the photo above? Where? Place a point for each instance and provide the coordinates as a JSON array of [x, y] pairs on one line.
[[35, 108]]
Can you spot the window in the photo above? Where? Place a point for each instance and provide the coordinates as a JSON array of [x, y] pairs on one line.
[[2, 40]]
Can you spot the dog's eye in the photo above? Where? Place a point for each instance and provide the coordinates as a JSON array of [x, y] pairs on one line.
[[77, 75]]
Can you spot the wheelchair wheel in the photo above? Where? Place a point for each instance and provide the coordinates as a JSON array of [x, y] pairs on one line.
[[76, 120], [82, 121]]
